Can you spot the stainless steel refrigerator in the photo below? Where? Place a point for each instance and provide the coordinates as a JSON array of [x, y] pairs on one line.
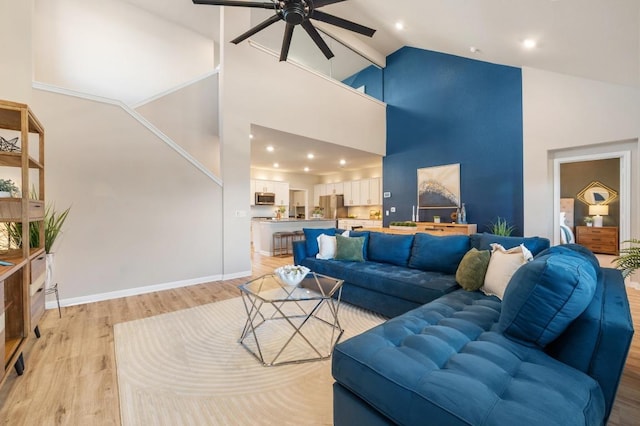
[[333, 206]]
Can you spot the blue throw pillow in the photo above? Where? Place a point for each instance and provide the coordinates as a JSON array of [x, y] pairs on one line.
[[365, 234], [544, 296], [534, 244], [576, 250], [438, 254], [390, 248], [311, 238]]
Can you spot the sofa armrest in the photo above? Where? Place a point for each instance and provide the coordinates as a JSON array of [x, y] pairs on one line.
[[299, 251], [598, 341]]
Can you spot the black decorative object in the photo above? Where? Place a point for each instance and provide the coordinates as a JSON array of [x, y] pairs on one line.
[[293, 13], [9, 145]]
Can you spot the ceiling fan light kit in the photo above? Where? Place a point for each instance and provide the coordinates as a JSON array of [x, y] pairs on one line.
[[294, 12]]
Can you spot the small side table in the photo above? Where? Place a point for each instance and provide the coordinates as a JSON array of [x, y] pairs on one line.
[[603, 240]]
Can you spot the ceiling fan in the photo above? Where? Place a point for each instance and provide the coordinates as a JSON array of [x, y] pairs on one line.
[[294, 12]]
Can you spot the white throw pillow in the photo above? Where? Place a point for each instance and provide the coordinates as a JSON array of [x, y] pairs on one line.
[[502, 265], [326, 247]]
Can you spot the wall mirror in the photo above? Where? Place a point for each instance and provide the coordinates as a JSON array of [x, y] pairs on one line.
[[597, 193]]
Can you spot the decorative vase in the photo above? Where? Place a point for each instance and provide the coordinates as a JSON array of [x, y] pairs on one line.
[[48, 280]]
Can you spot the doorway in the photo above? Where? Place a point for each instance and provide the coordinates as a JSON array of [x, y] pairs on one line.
[[623, 206]]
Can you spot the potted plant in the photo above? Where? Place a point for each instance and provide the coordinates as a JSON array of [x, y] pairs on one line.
[[629, 260], [588, 220], [402, 225], [501, 227], [7, 188]]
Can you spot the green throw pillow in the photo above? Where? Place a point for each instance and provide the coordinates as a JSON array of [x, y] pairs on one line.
[[349, 248], [472, 269]]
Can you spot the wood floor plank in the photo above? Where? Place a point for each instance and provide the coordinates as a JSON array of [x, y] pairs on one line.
[[70, 376]]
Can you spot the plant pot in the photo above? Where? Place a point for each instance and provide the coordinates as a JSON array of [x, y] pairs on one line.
[[48, 279], [5, 194], [589, 224]]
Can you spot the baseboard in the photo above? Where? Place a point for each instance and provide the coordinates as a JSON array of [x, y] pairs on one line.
[[244, 274], [100, 297]]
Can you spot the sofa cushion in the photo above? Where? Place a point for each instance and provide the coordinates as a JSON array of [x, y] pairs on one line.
[[326, 246], [545, 296], [311, 238], [502, 265], [349, 248], [472, 269], [365, 248], [574, 249], [390, 248], [438, 254], [534, 244], [443, 362]]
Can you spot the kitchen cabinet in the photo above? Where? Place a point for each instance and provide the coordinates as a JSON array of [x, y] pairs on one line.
[[348, 224], [265, 186], [319, 190], [299, 199], [334, 188], [281, 189]]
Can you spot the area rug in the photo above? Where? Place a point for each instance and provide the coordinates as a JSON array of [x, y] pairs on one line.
[[187, 368]]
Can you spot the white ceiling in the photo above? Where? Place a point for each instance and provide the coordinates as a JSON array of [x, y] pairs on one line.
[[595, 39]]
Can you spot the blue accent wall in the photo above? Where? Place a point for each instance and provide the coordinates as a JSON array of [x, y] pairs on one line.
[[445, 109], [372, 80]]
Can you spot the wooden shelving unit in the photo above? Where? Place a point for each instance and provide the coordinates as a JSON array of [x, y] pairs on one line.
[[17, 316]]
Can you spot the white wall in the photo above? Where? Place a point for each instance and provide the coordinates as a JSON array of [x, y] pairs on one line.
[[257, 89], [113, 49], [15, 44], [371, 172], [141, 215], [563, 112], [189, 116]]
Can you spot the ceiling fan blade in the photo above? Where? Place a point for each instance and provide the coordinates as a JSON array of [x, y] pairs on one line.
[[259, 4], [261, 26], [286, 42], [320, 3], [313, 33], [342, 23]]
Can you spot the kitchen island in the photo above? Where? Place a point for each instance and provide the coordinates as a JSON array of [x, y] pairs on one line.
[[262, 230]]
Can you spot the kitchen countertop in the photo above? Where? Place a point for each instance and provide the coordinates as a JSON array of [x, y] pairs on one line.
[[263, 220]]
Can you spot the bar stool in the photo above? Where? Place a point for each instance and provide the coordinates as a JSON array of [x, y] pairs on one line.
[[278, 248]]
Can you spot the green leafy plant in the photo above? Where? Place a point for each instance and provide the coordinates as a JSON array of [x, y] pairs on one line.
[[406, 223], [629, 260], [501, 227], [53, 222], [588, 219], [7, 185]]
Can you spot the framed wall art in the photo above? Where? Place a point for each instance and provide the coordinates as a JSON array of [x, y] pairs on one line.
[[439, 187]]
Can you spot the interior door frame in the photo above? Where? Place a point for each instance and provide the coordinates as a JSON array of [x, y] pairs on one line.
[[625, 189]]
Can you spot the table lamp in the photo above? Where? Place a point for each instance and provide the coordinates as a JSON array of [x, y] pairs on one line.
[[597, 211]]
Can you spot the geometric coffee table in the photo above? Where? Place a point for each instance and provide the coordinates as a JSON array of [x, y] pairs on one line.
[[291, 324]]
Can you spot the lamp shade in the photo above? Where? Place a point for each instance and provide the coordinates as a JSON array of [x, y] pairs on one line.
[[599, 210]]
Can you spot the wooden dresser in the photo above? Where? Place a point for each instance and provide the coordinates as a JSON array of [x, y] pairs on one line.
[[602, 240]]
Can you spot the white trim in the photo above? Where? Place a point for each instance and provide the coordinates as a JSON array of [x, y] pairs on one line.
[[237, 275], [624, 196], [131, 292], [175, 89], [133, 113], [311, 70]]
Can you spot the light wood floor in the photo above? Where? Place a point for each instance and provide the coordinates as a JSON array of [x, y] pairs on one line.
[[70, 376]]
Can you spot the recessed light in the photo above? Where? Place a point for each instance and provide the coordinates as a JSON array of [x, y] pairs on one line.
[[529, 43], [276, 165], [399, 25], [310, 156], [343, 162], [474, 49], [306, 169], [251, 136], [270, 148]]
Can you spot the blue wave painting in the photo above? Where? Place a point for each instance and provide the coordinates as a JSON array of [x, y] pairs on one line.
[[439, 187]]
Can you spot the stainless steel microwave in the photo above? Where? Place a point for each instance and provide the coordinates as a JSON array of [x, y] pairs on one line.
[[265, 199]]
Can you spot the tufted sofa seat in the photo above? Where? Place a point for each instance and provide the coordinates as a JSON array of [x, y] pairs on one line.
[[443, 363], [550, 353]]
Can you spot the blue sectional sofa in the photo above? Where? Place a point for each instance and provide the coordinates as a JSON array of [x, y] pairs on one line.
[[550, 353]]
